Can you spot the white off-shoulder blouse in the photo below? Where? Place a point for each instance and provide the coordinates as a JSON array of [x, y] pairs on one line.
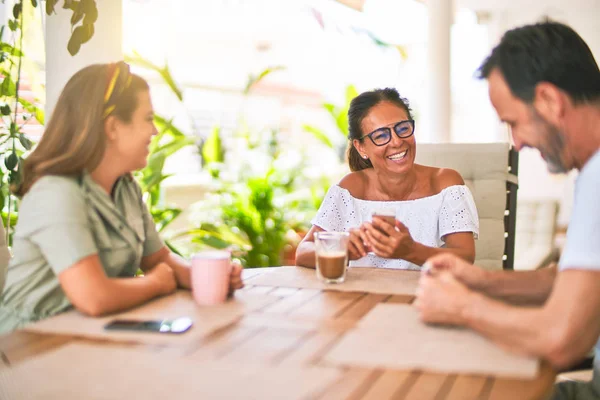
[[429, 219]]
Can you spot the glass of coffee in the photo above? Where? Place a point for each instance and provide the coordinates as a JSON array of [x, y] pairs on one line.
[[331, 250]]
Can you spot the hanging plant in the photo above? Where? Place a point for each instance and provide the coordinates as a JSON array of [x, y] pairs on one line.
[[15, 111], [85, 14]]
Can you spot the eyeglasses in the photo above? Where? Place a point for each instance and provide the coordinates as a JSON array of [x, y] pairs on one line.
[[382, 136]]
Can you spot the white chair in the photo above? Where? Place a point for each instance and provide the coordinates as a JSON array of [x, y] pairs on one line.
[[487, 169], [4, 256], [536, 227]]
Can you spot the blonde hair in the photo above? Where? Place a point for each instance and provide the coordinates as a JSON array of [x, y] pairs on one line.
[[74, 138]]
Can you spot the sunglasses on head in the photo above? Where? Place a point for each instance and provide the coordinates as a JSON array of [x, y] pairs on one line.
[[382, 136]]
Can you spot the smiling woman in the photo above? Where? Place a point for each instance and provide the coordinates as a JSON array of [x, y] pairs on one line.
[[434, 210], [84, 230]]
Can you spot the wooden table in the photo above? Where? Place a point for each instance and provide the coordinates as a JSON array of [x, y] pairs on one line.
[[298, 328]]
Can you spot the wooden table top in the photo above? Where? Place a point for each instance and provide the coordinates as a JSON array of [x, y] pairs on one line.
[[298, 328]]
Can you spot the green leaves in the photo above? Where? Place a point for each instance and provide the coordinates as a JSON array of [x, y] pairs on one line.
[[8, 87], [13, 25], [254, 79], [50, 6], [164, 216], [11, 161], [17, 9], [25, 142], [85, 14], [164, 72], [212, 149], [318, 134], [80, 35], [34, 110], [219, 237], [339, 114]]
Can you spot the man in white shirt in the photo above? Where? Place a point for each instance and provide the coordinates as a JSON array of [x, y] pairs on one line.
[[545, 84]]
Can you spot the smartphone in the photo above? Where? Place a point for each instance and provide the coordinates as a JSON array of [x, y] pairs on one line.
[[388, 216], [178, 325]]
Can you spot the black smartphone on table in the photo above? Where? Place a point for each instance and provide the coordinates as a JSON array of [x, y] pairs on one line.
[[177, 325]]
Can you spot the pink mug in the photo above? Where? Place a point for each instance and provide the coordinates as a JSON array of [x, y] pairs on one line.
[[211, 272]]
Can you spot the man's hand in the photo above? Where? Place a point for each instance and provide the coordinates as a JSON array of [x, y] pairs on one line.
[[471, 275], [441, 299]]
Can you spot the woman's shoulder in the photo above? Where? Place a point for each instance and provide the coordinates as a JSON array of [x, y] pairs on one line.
[[355, 183], [442, 178], [59, 185], [52, 198]]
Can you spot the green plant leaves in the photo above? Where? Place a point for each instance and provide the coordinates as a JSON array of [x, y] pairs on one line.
[[212, 149], [164, 216], [10, 50], [25, 142], [164, 72], [254, 79], [80, 35], [318, 134], [85, 13], [216, 236], [50, 4], [8, 87], [11, 161], [17, 10], [34, 110], [77, 16], [13, 25]]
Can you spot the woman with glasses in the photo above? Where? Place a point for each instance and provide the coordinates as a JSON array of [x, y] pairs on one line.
[[84, 230], [434, 211]]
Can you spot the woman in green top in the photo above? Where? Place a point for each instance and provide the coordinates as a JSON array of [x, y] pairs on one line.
[[83, 228]]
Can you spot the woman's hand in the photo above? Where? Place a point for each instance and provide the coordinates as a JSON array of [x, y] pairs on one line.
[[387, 240], [235, 279], [356, 246]]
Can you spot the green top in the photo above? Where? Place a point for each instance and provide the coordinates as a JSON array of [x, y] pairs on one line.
[[61, 221]]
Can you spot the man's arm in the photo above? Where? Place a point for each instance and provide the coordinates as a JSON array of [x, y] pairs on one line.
[[562, 331], [518, 287]]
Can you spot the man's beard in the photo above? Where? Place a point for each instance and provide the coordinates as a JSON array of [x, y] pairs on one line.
[[554, 144]]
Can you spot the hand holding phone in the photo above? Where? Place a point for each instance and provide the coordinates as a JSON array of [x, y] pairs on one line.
[[178, 325], [388, 216]]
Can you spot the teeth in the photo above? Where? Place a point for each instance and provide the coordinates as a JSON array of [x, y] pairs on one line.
[[398, 156]]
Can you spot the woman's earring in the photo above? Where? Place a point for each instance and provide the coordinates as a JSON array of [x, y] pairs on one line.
[[365, 156]]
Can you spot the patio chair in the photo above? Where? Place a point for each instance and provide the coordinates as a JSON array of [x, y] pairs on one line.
[[536, 228], [490, 172]]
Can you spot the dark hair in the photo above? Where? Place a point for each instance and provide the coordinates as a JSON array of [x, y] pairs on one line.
[[545, 52], [359, 108]]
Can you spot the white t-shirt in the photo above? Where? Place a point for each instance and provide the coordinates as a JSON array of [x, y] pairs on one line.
[[582, 250], [429, 219]]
